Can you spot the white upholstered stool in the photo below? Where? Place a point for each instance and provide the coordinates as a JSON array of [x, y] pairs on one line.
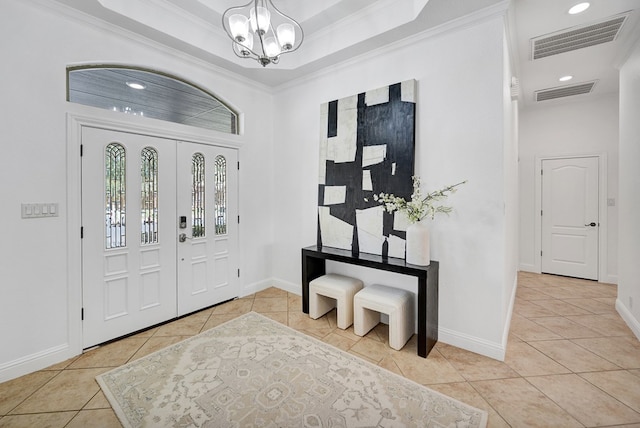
[[333, 291], [369, 302]]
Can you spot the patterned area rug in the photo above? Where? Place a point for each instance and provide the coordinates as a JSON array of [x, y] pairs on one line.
[[255, 372]]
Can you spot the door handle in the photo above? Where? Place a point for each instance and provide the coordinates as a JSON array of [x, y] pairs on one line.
[[183, 237], [592, 224]]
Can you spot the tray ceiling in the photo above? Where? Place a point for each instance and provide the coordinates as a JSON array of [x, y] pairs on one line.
[[338, 30]]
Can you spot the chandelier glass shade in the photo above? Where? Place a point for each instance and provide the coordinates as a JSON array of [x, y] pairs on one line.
[[261, 32]]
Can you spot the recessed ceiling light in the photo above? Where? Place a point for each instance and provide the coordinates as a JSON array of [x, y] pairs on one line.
[[579, 8], [136, 85], [565, 78]]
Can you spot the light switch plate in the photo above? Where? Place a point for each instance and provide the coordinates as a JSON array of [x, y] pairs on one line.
[[40, 210]]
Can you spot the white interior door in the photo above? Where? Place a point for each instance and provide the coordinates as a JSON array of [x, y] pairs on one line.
[[208, 213], [129, 223], [570, 221]]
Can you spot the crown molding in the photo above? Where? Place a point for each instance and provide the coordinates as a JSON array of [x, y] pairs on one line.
[[268, 81], [373, 21], [483, 15]]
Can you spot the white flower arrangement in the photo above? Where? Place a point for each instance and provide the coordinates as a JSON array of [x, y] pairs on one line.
[[419, 207]]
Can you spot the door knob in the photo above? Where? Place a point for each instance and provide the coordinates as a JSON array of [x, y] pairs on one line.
[[183, 237], [592, 224]]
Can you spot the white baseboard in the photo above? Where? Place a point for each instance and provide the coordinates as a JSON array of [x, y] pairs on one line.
[[256, 287], [628, 318], [489, 349], [507, 324], [34, 362], [525, 267], [272, 282], [287, 286]]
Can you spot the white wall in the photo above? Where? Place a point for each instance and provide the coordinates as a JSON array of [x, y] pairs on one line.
[[584, 127], [459, 135], [511, 206], [37, 324], [628, 303]]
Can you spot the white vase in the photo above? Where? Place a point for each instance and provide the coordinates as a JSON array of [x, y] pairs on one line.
[[418, 244]]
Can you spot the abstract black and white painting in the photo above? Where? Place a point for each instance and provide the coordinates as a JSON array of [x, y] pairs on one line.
[[367, 146]]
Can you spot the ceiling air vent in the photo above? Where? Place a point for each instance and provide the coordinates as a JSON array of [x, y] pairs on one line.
[[575, 38], [565, 91]]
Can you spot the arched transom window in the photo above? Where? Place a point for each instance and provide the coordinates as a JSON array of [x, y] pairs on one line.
[[151, 94]]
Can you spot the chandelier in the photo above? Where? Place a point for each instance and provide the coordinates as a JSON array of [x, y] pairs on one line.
[[260, 31]]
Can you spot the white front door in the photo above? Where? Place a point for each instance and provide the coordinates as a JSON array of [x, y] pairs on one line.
[[136, 272], [129, 240], [208, 234], [570, 221]]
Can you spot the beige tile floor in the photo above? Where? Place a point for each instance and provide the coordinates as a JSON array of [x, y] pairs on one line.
[[571, 361]]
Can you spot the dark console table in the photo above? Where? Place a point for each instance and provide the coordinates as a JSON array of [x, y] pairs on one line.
[[313, 266]]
